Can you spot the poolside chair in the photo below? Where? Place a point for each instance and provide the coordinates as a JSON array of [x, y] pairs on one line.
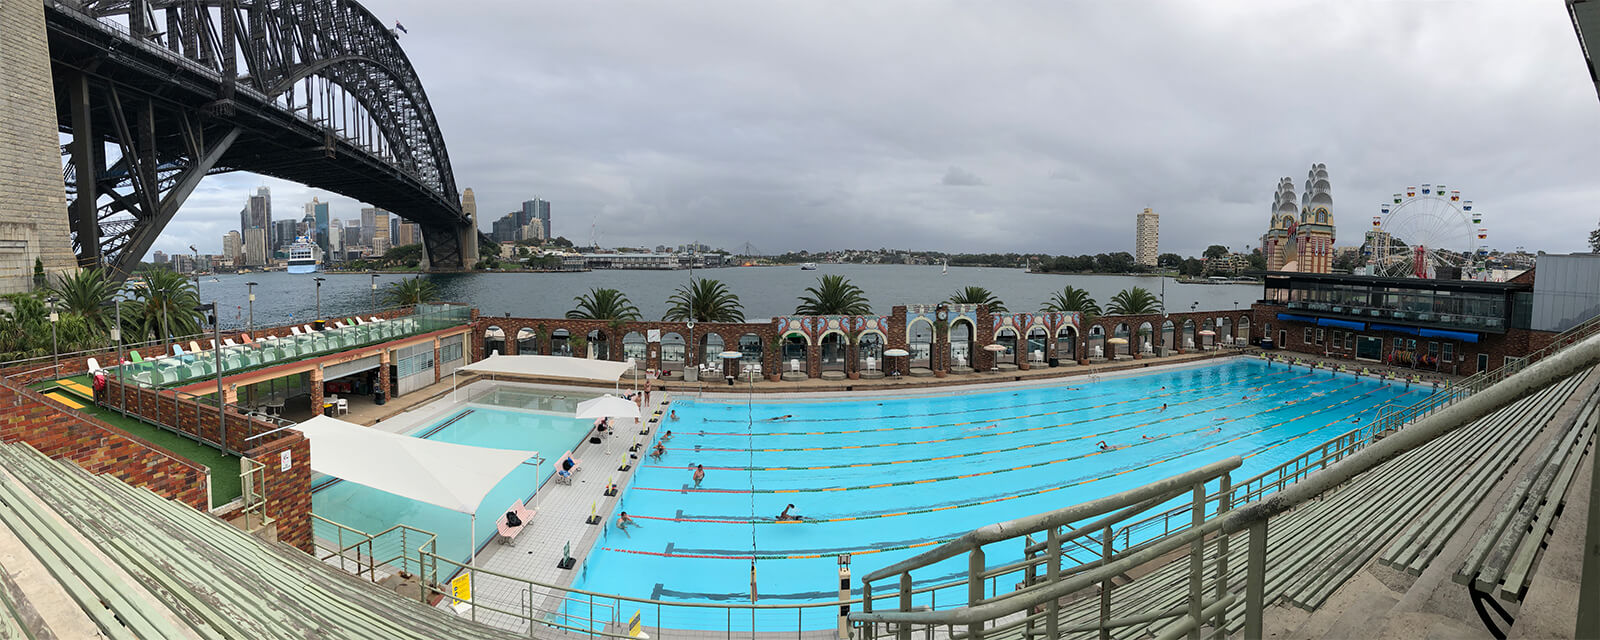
[[507, 533], [358, 320], [94, 365], [342, 405], [228, 342], [133, 356], [294, 330], [194, 347], [794, 365], [872, 363], [338, 325], [177, 350]]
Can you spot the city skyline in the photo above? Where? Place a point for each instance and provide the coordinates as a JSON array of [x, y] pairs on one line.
[[1005, 159]]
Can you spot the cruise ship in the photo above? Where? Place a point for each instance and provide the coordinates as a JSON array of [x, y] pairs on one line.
[[303, 256]]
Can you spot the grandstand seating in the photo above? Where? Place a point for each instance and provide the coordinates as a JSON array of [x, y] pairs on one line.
[[141, 566]]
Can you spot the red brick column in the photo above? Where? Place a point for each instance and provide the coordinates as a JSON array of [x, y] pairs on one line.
[[383, 374], [288, 492], [316, 391], [898, 338], [437, 369]]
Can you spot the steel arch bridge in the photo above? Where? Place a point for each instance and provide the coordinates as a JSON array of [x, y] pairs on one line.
[[157, 94]]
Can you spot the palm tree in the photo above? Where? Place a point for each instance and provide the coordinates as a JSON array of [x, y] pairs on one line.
[[604, 304], [833, 296], [85, 293], [979, 296], [410, 291], [22, 326], [1137, 301], [165, 305], [704, 300], [1071, 298]]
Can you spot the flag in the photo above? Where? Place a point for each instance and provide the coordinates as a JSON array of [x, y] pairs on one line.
[[400, 27]]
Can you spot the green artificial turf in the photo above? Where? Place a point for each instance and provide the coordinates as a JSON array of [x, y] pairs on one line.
[[224, 468]]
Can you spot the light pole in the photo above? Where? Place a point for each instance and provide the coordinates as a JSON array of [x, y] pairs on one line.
[[319, 281], [55, 352], [216, 355], [251, 286], [116, 336], [372, 298], [196, 253], [688, 352]]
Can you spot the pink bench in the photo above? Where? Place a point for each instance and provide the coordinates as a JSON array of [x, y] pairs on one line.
[[508, 533]]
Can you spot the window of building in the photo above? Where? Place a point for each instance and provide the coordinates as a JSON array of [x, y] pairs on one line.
[[1308, 336], [1433, 348], [1449, 353], [1319, 336], [1399, 343], [1349, 341], [1411, 345]]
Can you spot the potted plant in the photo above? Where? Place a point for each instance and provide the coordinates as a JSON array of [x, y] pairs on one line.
[[540, 344], [580, 346]]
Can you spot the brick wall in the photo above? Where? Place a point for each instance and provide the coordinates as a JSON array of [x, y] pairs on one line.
[[58, 432], [288, 491]]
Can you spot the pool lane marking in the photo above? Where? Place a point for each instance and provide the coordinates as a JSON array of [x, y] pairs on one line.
[[699, 448], [1026, 494], [1174, 392], [1047, 462], [1030, 445]]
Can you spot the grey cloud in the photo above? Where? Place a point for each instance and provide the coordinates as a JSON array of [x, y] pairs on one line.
[[800, 125], [958, 177]]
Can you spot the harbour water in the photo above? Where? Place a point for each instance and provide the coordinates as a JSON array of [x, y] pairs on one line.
[[764, 291]]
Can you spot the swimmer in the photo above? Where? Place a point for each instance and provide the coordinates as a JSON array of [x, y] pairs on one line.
[[699, 475], [785, 517], [1216, 430], [1108, 447], [623, 522], [666, 436], [782, 417], [1246, 397], [1163, 407], [1218, 419], [983, 427], [673, 415], [658, 452], [1154, 437]]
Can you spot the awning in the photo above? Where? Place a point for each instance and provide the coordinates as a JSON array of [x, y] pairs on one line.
[[551, 367], [1342, 324], [1294, 318], [1395, 328], [1463, 336], [453, 476]]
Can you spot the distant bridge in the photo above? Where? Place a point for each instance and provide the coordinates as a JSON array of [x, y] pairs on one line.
[[157, 94]]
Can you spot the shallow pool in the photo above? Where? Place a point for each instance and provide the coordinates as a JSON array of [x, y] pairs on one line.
[[883, 479], [372, 511]]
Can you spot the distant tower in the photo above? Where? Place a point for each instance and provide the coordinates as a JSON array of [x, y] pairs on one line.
[[1314, 237], [1147, 237], [1275, 244]]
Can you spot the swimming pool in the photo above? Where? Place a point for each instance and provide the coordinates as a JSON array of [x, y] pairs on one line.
[[886, 478], [372, 511]]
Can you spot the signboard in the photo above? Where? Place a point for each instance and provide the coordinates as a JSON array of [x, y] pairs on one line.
[[285, 460], [653, 335], [461, 587], [635, 625]]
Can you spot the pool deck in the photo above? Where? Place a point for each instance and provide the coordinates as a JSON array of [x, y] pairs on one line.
[[562, 512]]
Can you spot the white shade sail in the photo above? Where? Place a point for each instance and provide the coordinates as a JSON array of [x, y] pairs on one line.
[[453, 476], [607, 406], [551, 367]]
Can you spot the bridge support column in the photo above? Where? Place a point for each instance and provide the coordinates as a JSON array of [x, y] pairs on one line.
[[445, 248], [32, 224]]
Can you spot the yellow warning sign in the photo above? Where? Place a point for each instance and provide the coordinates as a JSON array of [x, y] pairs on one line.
[[461, 587], [635, 625]]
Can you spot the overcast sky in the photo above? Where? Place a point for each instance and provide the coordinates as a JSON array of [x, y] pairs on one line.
[[987, 126]]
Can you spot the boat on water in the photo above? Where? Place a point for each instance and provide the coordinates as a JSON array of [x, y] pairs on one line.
[[303, 256], [946, 270], [809, 266]]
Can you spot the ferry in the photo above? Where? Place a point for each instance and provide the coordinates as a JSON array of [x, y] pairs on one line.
[[809, 266], [303, 256]]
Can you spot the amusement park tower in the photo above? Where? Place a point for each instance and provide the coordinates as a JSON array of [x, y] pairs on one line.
[[1302, 242]]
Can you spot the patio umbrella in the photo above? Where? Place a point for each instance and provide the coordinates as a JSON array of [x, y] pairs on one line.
[[994, 347], [1117, 341], [1208, 332], [730, 355], [607, 406], [895, 353]]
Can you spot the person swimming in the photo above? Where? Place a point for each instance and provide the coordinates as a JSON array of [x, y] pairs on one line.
[[658, 452], [673, 414], [782, 417], [787, 517], [982, 428], [1163, 408], [666, 436], [623, 522], [1154, 437], [1108, 447], [699, 475]]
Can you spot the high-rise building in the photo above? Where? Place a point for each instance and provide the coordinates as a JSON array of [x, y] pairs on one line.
[[283, 233], [536, 209], [394, 230], [505, 229], [232, 246], [319, 212], [158, 257], [1147, 238], [408, 233], [257, 212], [255, 247], [368, 225], [182, 263], [380, 231], [335, 240]]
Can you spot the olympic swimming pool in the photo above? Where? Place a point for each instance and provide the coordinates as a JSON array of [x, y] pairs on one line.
[[884, 479], [504, 418]]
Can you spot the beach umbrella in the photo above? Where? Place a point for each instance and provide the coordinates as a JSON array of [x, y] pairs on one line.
[[895, 353], [607, 406], [1117, 341], [1208, 332], [731, 355], [994, 347]]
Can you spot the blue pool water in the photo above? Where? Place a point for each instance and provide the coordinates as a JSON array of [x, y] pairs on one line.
[[372, 511], [886, 478]]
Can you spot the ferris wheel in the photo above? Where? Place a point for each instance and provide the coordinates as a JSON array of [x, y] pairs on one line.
[[1427, 233]]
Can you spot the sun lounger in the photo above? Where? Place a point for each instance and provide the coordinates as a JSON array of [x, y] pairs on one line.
[[194, 347], [134, 357], [177, 350], [94, 365], [295, 330], [508, 533]]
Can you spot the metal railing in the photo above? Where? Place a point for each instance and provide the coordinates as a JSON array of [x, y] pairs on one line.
[[253, 494]]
